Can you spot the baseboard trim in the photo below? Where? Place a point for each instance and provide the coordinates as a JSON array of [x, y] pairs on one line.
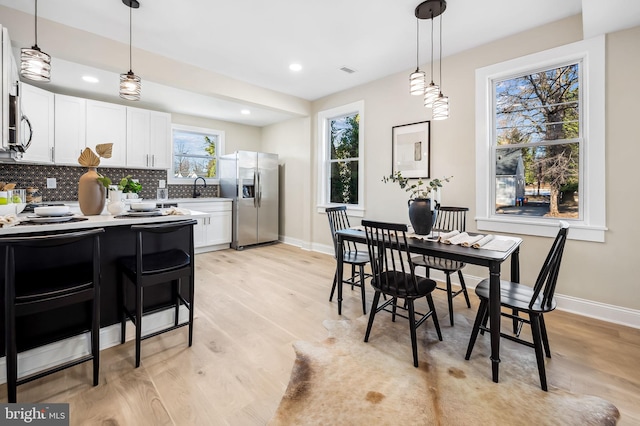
[[44, 357]]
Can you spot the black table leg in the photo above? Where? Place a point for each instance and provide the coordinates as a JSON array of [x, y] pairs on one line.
[[515, 266], [494, 317]]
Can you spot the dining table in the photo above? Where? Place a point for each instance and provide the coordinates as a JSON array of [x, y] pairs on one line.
[[491, 259]]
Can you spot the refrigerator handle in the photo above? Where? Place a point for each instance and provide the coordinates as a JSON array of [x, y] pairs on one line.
[[255, 186], [259, 189]]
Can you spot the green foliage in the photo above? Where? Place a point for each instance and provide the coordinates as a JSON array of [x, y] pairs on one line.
[[105, 181], [126, 184], [416, 189], [345, 139]]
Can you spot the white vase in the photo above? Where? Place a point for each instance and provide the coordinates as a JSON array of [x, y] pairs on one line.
[[116, 206]]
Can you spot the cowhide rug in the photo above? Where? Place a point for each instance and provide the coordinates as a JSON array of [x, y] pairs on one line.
[[344, 381]]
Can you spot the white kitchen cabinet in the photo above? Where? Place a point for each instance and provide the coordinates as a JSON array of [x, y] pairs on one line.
[[213, 231], [70, 129], [107, 123], [148, 138], [38, 107], [160, 140]]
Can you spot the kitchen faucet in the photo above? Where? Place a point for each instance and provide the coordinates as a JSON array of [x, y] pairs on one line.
[[196, 194]]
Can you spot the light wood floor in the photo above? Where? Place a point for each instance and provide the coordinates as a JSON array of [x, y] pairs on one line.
[[250, 306]]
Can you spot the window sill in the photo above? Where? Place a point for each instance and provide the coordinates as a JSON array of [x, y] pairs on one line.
[[577, 231], [354, 211]]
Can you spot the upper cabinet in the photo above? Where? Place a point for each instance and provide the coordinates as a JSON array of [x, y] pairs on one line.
[[38, 107], [107, 123], [70, 129], [160, 140], [148, 138], [64, 125]]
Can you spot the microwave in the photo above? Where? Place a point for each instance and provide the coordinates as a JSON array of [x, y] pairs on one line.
[[16, 128]]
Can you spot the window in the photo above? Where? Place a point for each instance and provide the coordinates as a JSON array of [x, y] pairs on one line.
[[341, 158], [195, 153], [540, 142]]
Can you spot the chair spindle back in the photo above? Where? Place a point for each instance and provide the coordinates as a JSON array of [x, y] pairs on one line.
[[548, 276], [393, 271]]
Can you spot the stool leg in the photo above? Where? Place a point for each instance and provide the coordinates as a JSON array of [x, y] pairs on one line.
[[192, 288], [11, 361], [138, 322], [95, 335], [123, 315], [175, 284]]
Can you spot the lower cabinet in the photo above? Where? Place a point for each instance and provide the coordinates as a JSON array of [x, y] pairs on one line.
[[213, 231]]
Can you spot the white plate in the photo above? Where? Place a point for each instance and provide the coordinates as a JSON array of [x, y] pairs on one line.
[[155, 212], [49, 219], [51, 211]]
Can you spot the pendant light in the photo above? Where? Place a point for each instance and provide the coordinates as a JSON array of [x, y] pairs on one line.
[[34, 63], [130, 84], [433, 97], [441, 104], [431, 92], [417, 78]]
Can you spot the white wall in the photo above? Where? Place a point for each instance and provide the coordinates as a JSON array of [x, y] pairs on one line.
[[291, 141]]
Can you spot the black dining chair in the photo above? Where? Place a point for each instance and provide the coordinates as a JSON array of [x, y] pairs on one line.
[[522, 300], [352, 256], [394, 276], [151, 267], [447, 219], [34, 289]]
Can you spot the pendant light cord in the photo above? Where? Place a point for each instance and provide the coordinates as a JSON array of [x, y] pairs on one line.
[[441, 53], [36, 23], [432, 46], [417, 43], [130, 27]]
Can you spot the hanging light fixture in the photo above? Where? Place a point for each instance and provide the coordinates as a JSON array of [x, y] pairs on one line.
[[432, 90], [431, 9], [417, 79], [441, 104], [129, 82], [34, 63]]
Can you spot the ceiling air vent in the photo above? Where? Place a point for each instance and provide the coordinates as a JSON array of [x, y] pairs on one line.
[[347, 70]]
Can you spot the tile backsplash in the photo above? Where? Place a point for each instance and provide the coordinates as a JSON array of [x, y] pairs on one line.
[[26, 175]]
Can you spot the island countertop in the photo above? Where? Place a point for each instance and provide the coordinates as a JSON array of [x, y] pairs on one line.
[[97, 221]]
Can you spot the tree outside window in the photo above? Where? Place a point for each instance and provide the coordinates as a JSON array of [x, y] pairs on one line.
[[344, 158], [195, 153], [537, 143]]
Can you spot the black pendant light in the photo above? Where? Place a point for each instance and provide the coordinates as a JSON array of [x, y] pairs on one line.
[[34, 63], [433, 97], [130, 84]]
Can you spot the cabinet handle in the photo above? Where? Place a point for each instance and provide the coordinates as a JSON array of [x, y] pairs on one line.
[[153, 160], [52, 154]]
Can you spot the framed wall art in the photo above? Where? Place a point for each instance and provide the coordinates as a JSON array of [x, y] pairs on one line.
[[411, 149]]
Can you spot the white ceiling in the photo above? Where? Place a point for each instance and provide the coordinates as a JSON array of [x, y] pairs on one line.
[[254, 41]]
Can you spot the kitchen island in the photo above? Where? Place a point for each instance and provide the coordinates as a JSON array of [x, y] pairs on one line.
[[117, 241]]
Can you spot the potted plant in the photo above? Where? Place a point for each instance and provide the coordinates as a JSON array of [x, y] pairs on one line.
[[129, 186], [420, 193]]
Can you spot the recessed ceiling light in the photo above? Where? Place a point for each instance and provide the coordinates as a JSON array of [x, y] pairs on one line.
[[90, 79], [245, 112], [295, 67]]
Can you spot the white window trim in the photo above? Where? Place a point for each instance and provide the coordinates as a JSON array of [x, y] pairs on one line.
[[323, 161], [592, 226], [220, 133]]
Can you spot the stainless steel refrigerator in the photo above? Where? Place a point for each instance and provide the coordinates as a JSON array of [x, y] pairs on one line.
[[251, 180]]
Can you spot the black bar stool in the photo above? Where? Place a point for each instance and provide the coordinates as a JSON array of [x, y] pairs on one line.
[[152, 267], [35, 289]]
